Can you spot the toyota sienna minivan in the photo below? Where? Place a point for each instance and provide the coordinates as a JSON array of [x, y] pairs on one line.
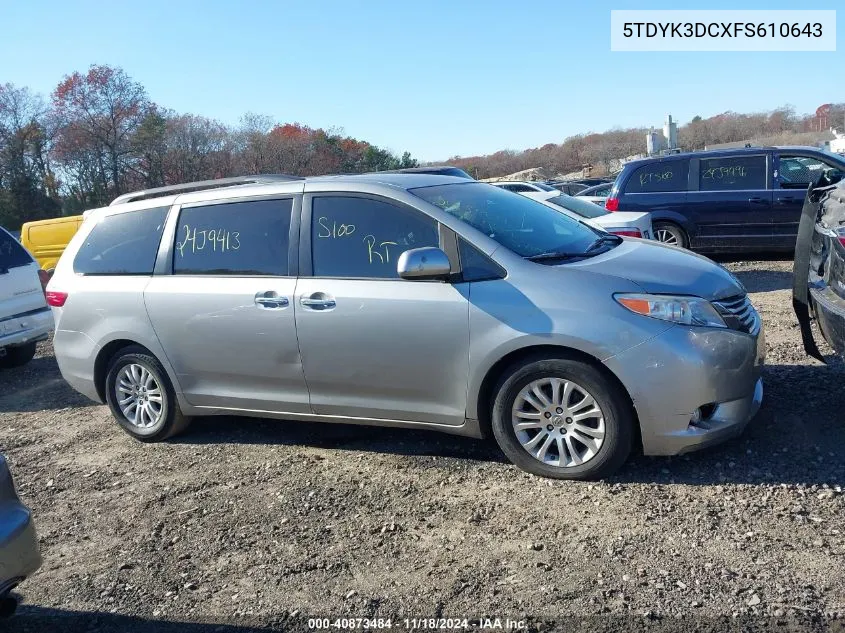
[[405, 300]]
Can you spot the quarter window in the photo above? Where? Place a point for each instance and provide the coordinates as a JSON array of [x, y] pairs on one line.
[[361, 237], [236, 238], [475, 265], [734, 173], [659, 176], [122, 244]]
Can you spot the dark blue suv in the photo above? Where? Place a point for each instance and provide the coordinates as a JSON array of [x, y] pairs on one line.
[[728, 200]]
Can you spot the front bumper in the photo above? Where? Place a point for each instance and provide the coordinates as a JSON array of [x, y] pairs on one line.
[[25, 328], [829, 310], [19, 554], [683, 369]]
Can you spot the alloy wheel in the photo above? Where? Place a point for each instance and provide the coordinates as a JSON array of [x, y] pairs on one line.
[[558, 422], [139, 396], [667, 237]]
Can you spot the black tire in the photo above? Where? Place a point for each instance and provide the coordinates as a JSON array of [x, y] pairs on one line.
[[673, 230], [619, 419], [171, 421], [18, 355]]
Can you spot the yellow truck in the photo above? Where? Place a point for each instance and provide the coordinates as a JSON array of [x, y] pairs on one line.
[[47, 239]]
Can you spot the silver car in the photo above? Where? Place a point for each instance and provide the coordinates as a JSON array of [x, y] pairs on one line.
[[406, 300], [19, 555]]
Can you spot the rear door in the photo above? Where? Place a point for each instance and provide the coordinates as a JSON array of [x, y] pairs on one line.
[[20, 287], [730, 201], [794, 172], [223, 307]]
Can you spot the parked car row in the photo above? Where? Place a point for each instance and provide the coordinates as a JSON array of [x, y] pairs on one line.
[[626, 224]]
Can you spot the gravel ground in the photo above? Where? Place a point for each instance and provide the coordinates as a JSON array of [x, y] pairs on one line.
[[243, 524]]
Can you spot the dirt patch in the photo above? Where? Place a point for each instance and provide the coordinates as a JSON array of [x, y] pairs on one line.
[[255, 523]]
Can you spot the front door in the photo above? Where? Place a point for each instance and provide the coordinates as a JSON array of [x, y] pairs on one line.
[[374, 345], [733, 203], [794, 174], [225, 316]]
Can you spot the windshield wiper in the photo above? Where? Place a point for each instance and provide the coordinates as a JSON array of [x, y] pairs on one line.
[[605, 239], [554, 255]]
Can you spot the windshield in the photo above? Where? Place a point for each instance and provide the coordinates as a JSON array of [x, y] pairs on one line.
[[524, 226], [584, 208], [544, 186]]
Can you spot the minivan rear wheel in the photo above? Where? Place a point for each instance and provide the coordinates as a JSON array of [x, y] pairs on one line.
[[671, 234], [564, 419], [141, 396]]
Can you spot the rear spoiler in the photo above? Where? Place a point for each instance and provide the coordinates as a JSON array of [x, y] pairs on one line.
[[801, 273]]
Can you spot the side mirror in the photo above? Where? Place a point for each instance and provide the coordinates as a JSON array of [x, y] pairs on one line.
[[423, 263]]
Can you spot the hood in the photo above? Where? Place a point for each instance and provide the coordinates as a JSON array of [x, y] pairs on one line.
[[661, 269]]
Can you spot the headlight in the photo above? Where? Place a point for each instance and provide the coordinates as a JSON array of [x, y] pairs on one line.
[[677, 309]]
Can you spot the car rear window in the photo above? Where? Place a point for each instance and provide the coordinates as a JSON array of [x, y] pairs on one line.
[[584, 208], [12, 254], [122, 244], [659, 176], [732, 173]]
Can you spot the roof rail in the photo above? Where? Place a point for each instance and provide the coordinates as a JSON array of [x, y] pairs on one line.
[[202, 185]]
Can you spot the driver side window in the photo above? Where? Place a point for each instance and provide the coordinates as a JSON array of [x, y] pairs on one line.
[[354, 237], [797, 172]]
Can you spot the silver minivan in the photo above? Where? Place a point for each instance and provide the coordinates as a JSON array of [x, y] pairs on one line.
[[407, 300]]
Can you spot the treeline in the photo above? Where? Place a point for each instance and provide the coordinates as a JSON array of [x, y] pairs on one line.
[[601, 149], [99, 135]]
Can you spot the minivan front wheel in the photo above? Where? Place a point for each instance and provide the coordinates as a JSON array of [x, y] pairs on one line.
[[671, 234], [141, 397], [563, 419]]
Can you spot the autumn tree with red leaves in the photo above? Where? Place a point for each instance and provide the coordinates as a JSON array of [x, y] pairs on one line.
[[98, 114], [103, 137]]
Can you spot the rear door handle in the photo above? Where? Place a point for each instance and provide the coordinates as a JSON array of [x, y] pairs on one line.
[[317, 303], [757, 200]]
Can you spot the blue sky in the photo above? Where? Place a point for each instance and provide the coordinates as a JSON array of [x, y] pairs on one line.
[[437, 78]]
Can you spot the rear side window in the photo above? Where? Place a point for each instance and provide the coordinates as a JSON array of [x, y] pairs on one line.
[[362, 237], [122, 244], [12, 254], [236, 238], [659, 176], [733, 173]]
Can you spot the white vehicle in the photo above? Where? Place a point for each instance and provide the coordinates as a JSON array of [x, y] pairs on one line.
[[524, 186], [25, 317], [597, 194], [627, 223]]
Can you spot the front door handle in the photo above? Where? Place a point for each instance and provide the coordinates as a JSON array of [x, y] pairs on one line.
[[270, 299], [312, 302], [756, 200]]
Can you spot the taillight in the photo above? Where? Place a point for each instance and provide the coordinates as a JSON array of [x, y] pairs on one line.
[[626, 232], [612, 204], [56, 299], [840, 233]]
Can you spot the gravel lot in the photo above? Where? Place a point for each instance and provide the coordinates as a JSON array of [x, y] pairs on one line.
[[251, 523]]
